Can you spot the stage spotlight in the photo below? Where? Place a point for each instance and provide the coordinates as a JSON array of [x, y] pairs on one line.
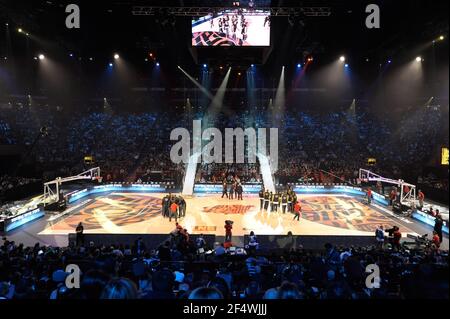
[[346, 65], [342, 59], [389, 61], [221, 67], [419, 59], [19, 30], [116, 56], [239, 73], [252, 65], [110, 65], [204, 65], [157, 63], [441, 38], [41, 57]]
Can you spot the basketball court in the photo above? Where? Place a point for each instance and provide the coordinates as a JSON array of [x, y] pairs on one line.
[[140, 213]]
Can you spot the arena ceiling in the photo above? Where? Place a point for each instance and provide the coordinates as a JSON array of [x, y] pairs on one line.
[[108, 26]]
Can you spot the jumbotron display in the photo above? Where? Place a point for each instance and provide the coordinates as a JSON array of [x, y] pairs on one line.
[[240, 27]]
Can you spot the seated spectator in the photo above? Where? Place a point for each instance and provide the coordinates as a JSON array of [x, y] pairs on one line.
[[93, 284], [121, 288], [162, 285], [204, 293], [288, 291]]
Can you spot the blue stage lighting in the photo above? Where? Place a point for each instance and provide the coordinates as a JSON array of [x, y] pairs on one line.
[[299, 65], [346, 65], [110, 65]]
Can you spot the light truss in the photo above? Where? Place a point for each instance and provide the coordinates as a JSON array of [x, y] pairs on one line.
[[203, 11]]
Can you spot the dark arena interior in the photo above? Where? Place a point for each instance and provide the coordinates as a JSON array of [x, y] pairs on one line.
[[247, 151]]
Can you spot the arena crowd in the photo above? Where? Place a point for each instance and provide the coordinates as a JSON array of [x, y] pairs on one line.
[[313, 147], [183, 271]]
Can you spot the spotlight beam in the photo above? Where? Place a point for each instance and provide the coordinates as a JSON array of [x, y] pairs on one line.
[[280, 97], [428, 103], [201, 87], [217, 101]]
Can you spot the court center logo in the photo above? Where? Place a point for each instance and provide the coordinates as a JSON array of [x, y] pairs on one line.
[[240, 144]]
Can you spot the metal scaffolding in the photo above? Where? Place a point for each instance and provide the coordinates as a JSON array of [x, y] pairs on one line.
[[203, 11]]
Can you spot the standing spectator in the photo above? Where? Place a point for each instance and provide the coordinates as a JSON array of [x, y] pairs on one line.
[[393, 196], [297, 210], [139, 247], [224, 189], [438, 223], [173, 211], [240, 190], [164, 253], [253, 243], [332, 258], [231, 190], [228, 227], [397, 237], [379, 236], [165, 206], [421, 197], [80, 236], [431, 212], [200, 242], [183, 207], [284, 199], [369, 196], [261, 199], [436, 240], [380, 188]]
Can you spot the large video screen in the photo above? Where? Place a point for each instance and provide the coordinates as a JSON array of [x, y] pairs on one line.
[[234, 27]]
